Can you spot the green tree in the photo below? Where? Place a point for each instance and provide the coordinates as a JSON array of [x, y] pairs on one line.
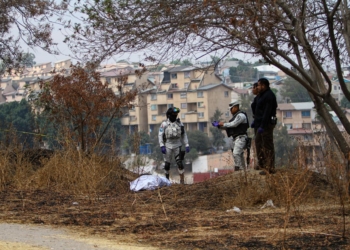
[[294, 91], [156, 153], [244, 72], [17, 117], [285, 146], [274, 90], [133, 141], [185, 62], [28, 60], [218, 136], [199, 140], [192, 155], [345, 103]]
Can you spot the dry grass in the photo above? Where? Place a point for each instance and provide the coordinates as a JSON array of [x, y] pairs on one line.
[[91, 193]]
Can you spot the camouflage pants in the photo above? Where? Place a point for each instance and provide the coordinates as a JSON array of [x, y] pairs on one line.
[[238, 145], [170, 153]]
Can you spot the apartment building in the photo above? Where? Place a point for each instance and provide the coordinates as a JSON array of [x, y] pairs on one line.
[[302, 124], [122, 79], [16, 86], [197, 92]]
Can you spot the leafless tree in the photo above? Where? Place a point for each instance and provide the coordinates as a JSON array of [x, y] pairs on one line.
[[302, 38], [27, 22]]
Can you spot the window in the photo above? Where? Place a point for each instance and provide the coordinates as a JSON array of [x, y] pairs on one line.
[[170, 105], [200, 105], [174, 85], [154, 117], [153, 97], [182, 116], [108, 80], [305, 113], [184, 105], [288, 114], [288, 126], [153, 107], [201, 115], [183, 95], [227, 114], [187, 74], [202, 126], [200, 94], [226, 94], [306, 125], [187, 84], [174, 76], [170, 96]]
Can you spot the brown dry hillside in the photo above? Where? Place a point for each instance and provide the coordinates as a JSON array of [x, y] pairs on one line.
[[308, 213]]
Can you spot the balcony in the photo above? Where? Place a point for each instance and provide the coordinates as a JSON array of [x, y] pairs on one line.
[[191, 117]]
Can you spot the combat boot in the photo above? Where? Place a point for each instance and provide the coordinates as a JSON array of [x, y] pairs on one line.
[[167, 176], [182, 178]]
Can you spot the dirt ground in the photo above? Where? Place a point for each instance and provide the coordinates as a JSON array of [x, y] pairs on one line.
[[197, 216], [40, 237]]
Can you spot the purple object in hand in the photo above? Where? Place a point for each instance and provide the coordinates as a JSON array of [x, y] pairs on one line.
[[163, 149], [260, 130], [215, 123], [187, 149]]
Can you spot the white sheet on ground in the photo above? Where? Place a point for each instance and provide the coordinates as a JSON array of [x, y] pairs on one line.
[[149, 182]]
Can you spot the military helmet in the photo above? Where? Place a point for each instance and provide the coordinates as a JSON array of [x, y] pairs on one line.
[[232, 104], [172, 110]]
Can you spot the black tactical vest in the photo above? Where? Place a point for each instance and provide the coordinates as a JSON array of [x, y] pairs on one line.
[[241, 129]]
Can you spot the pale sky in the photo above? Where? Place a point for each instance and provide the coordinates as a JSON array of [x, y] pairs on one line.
[[44, 57]]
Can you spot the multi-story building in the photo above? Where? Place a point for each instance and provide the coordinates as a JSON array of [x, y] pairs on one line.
[[303, 125], [123, 79], [197, 92], [16, 86], [299, 119]]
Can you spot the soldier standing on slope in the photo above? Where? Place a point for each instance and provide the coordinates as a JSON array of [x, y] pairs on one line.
[[237, 129], [171, 136]]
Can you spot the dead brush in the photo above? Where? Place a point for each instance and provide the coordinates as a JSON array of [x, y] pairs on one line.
[[15, 166], [71, 172], [243, 188], [336, 171]]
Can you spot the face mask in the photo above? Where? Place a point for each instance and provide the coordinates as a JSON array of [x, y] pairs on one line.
[[172, 118]]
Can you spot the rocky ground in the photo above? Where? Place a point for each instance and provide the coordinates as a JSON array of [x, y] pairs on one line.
[[197, 216]]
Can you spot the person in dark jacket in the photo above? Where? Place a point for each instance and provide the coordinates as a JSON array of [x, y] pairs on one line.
[[236, 128], [264, 123], [253, 106]]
